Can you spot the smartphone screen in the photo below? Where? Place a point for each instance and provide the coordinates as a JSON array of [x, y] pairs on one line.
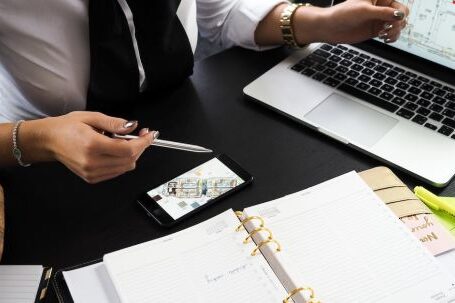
[[194, 189]]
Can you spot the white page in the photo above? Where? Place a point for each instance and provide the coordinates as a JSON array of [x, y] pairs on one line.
[[19, 283], [447, 260], [205, 263], [91, 284], [341, 240]]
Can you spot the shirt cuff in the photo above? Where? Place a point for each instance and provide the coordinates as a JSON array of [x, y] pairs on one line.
[[241, 24]]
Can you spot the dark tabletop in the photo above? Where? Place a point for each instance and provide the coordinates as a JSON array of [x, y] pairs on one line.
[[54, 218]]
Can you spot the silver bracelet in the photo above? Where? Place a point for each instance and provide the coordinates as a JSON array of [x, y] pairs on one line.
[[17, 154]]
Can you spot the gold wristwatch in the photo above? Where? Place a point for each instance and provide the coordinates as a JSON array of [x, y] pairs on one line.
[[286, 24]]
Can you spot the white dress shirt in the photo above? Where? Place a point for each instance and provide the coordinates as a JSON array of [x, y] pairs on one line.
[[45, 57]]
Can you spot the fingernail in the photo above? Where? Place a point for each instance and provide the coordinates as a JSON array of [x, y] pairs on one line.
[[388, 26], [156, 135], [146, 130], [130, 124], [382, 35], [398, 14], [388, 40]]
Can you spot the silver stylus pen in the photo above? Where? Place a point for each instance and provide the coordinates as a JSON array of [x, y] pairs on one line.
[[169, 144]]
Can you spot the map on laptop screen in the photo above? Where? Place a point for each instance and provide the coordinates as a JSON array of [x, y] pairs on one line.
[[430, 32]]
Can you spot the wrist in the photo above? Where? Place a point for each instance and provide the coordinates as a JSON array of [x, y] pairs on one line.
[[34, 141], [17, 153], [309, 23]]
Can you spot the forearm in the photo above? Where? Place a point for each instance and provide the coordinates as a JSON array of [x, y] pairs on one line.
[[30, 140], [351, 21], [268, 31], [226, 23]]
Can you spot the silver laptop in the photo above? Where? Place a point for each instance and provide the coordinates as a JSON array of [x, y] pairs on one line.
[[384, 100]]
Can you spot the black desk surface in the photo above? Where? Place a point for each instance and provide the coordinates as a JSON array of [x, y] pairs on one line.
[[56, 219]]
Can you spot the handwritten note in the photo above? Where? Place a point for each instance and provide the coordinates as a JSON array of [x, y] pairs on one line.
[[228, 274], [435, 238]]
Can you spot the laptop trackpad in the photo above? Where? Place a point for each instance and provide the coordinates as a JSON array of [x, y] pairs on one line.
[[352, 121]]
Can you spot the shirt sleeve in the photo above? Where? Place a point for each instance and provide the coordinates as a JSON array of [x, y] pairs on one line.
[[232, 22]]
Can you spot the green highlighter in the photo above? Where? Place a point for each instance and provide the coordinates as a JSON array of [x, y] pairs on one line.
[[442, 207]]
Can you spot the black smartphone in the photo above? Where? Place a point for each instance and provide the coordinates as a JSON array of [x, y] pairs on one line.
[[194, 190]]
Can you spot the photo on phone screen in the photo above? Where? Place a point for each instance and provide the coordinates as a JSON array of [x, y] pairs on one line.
[[194, 189]]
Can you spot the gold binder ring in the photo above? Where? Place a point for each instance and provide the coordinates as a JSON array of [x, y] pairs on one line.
[[239, 214], [256, 230], [278, 248], [302, 289], [249, 219]]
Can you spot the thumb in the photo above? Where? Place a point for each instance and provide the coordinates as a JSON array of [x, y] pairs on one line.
[[110, 124], [386, 14]]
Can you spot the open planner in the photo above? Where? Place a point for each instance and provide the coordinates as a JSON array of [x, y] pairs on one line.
[[335, 242]]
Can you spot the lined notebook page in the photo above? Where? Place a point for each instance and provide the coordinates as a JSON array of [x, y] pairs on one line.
[[19, 283], [205, 263], [447, 260], [341, 240]]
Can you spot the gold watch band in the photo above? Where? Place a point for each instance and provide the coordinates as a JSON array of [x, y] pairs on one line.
[[286, 24]]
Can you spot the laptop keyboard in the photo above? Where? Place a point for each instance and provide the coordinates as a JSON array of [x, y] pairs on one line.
[[395, 89]]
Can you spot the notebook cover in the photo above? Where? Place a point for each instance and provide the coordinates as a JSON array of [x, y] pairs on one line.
[[58, 282], [412, 212]]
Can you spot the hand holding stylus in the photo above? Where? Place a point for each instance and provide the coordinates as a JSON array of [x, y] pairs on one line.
[[77, 141]]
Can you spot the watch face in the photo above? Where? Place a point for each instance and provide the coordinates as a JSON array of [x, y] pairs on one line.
[[17, 153]]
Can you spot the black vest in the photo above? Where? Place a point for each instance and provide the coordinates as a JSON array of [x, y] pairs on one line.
[[163, 46]]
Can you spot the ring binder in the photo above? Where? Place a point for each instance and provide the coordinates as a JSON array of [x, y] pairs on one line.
[[44, 283], [269, 240], [302, 289], [258, 247], [242, 223], [256, 230]]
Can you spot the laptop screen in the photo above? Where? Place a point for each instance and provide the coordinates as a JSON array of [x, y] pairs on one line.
[[431, 31]]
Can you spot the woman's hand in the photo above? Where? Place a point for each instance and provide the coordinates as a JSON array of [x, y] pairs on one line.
[[77, 141], [351, 21]]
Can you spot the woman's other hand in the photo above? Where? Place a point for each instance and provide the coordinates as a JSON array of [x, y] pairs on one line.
[[351, 21], [77, 140]]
